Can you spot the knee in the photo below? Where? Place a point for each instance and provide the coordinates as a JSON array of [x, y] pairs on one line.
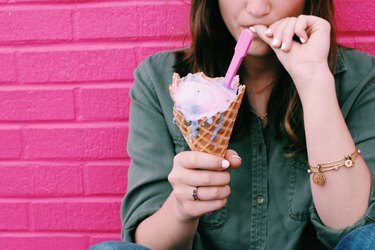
[[108, 245], [361, 238], [117, 245]]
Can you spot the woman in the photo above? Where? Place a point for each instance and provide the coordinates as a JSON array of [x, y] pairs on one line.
[[307, 103]]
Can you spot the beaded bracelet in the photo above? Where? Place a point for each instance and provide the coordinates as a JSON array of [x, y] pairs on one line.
[[318, 172]]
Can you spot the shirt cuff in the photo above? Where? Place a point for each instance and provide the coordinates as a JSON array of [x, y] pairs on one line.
[[330, 237], [129, 227]]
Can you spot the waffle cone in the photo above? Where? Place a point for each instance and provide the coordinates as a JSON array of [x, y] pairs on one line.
[[212, 138]]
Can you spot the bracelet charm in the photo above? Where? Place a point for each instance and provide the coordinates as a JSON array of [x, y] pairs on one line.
[[348, 163], [318, 176]]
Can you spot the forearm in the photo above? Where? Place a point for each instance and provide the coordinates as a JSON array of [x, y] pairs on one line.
[[343, 199], [165, 230]]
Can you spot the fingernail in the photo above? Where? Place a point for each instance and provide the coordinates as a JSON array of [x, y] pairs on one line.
[[268, 32], [236, 157], [302, 40], [252, 29], [225, 164], [283, 46], [275, 41]]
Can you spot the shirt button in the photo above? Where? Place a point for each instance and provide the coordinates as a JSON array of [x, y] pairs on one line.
[[260, 200]]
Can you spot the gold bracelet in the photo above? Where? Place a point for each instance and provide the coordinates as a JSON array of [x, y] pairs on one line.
[[318, 172]]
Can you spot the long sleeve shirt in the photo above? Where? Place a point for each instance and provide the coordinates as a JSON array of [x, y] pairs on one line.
[[270, 206]]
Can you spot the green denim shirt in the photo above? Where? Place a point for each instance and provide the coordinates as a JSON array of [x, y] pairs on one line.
[[270, 206]]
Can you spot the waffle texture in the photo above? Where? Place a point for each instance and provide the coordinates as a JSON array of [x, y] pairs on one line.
[[214, 134]]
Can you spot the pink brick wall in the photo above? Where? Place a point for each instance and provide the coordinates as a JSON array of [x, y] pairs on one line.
[[66, 67], [65, 71]]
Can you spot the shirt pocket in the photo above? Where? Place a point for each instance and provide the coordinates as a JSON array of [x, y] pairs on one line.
[[299, 190], [214, 220]]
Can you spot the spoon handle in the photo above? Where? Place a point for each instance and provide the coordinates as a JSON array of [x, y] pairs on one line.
[[240, 51]]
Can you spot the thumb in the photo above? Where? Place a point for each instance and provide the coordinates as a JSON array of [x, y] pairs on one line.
[[233, 158]]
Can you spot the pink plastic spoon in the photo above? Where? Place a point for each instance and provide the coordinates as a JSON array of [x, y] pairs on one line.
[[240, 51]]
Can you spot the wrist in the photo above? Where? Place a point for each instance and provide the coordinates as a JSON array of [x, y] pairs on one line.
[[308, 70], [319, 83], [178, 212]]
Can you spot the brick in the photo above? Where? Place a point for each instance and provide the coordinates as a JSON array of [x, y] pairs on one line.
[[35, 24], [163, 20], [355, 15], [89, 142], [36, 104], [14, 216], [105, 22], [106, 179], [51, 1], [77, 216], [7, 67], [40, 180], [104, 103], [131, 21], [77, 65], [37, 242], [10, 143], [37, 1]]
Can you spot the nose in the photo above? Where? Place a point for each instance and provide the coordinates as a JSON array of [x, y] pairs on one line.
[[258, 8]]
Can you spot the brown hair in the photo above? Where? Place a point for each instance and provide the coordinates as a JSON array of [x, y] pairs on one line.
[[212, 48]]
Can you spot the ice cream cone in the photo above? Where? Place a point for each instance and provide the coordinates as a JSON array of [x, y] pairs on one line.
[[209, 135]]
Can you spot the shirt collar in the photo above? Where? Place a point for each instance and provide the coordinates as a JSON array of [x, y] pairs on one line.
[[340, 65]]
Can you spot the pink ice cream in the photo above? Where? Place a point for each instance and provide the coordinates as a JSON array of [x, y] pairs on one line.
[[197, 96], [205, 109]]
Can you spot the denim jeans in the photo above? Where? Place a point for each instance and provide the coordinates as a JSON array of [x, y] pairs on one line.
[[362, 238], [117, 245]]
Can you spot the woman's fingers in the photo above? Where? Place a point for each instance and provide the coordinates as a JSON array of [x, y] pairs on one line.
[[283, 31], [270, 31], [195, 209], [200, 181], [300, 28], [261, 31], [205, 176], [203, 193], [213, 193], [233, 158], [278, 34], [194, 202], [200, 160], [288, 33], [195, 178]]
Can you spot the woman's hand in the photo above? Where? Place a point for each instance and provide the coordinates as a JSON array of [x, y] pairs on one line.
[[309, 54], [206, 173]]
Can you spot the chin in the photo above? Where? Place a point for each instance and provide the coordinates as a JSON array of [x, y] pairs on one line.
[[260, 49]]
